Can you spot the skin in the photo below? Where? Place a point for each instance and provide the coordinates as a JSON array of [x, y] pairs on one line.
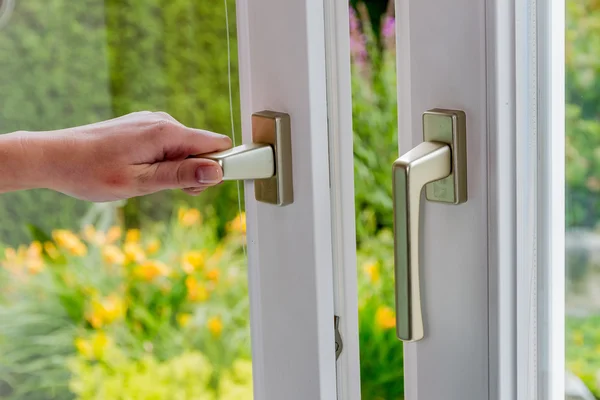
[[133, 155]]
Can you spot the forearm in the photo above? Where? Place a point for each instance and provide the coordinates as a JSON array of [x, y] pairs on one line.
[[21, 161]]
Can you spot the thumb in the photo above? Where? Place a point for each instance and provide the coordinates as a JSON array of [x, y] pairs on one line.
[[188, 173]]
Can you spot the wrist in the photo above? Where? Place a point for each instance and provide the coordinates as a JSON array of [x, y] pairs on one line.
[[21, 161]]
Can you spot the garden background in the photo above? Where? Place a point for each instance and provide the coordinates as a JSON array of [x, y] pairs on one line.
[[147, 299]]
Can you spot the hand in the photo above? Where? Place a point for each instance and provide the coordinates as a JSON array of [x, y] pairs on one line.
[[134, 155]]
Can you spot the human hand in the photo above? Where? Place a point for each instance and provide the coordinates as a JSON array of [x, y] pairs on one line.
[[129, 156]]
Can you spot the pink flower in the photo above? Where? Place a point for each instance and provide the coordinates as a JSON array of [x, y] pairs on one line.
[[358, 48], [388, 28]]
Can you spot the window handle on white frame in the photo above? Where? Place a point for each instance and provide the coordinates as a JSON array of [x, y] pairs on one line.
[[267, 161], [439, 164]]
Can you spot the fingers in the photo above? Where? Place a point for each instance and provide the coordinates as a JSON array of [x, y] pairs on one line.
[[202, 142], [195, 191], [184, 174], [180, 139]]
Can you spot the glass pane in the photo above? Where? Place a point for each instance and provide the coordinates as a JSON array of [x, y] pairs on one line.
[[375, 122], [582, 196], [143, 299]]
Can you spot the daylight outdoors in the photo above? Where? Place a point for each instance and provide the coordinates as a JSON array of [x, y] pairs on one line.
[[147, 298], [583, 196]]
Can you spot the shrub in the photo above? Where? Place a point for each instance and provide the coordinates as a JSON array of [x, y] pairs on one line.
[[183, 377], [381, 353], [150, 299], [374, 119]]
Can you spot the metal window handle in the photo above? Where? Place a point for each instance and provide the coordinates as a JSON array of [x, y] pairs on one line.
[[248, 161], [439, 164], [267, 161]]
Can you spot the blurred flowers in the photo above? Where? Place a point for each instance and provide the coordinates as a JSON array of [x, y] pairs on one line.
[[238, 224], [196, 291], [152, 269], [193, 260], [94, 347], [133, 236], [113, 255], [134, 292], [70, 242], [372, 270], [25, 258], [385, 318], [188, 216], [134, 252], [104, 311], [215, 326]]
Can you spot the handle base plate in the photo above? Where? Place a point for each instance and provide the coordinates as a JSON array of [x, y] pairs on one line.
[[274, 128], [448, 126]]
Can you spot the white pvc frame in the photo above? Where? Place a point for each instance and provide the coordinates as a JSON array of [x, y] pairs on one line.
[[526, 181]]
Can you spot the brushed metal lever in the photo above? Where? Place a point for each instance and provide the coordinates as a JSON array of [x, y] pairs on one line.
[[267, 161], [248, 161], [439, 164]]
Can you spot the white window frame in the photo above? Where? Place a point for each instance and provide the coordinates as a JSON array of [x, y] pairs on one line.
[[524, 80], [516, 178], [281, 47]]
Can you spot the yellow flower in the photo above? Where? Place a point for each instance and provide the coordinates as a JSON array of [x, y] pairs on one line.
[[192, 260], [196, 291], [28, 259], [34, 261], [213, 275], [385, 318], [10, 254], [151, 269], [13, 259], [184, 319], [134, 252], [93, 236], [93, 348], [153, 246], [189, 217], [215, 326], [84, 347], [51, 250], [238, 224], [133, 236], [113, 255], [113, 234], [578, 338], [69, 241], [372, 270], [106, 310]]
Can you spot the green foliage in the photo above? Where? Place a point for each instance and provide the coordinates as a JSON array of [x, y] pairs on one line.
[[36, 336], [582, 350], [583, 112], [183, 377], [82, 306], [381, 353], [374, 120], [68, 63]]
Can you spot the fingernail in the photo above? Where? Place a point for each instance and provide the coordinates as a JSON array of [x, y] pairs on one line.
[[209, 174]]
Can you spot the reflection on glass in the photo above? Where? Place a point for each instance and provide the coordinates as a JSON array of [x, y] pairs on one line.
[[145, 299], [374, 118], [583, 199]]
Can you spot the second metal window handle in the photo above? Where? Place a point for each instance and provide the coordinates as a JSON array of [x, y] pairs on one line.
[[426, 163], [439, 163]]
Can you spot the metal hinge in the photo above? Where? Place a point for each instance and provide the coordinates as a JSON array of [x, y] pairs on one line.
[[339, 345]]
